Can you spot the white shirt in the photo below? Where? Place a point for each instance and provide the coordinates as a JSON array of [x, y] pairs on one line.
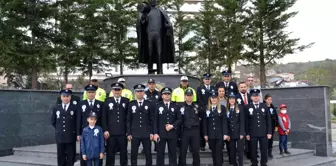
[[91, 127], [142, 102], [117, 100], [66, 106], [207, 86], [167, 103], [93, 101]]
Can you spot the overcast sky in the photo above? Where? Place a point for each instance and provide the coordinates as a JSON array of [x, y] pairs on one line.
[[315, 22]]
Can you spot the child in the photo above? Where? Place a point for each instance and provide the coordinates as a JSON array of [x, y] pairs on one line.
[[92, 142], [283, 129]]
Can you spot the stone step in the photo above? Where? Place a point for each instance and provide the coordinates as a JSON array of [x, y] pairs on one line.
[[16, 160], [50, 151], [304, 161]]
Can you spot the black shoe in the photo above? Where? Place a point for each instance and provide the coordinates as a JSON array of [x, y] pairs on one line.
[[257, 155], [287, 152], [202, 149], [281, 152], [270, 155], [143, 151], [177, 149]]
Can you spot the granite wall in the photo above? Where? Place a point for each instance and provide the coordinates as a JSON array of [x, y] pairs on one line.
[[308, 108], [25, 117]]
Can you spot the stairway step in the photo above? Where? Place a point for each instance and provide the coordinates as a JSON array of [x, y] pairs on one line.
[[305, 161], [27, 161]]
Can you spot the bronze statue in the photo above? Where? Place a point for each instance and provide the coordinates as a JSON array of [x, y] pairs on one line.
[[155, 36]]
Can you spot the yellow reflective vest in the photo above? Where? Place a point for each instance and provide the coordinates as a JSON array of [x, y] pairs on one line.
[[178, 95], [100, 95], [124, 93]]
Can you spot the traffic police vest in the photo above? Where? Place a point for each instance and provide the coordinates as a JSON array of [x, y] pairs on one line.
[[178, 95], [100, 95], [125, 93]]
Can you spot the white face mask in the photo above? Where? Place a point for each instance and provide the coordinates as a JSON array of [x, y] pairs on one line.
[[283, 111]]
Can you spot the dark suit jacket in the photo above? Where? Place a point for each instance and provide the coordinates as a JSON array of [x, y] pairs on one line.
[[240, 99]]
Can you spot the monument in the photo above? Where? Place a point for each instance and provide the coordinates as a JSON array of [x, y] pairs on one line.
[[155, 36]]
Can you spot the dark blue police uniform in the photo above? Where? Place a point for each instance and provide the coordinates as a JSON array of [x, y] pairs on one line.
[[230, 87], [63, 118]]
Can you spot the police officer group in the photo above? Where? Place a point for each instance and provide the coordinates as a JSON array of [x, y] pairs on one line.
[[181, 119]]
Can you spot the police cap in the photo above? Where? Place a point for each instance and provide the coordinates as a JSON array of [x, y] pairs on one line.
[[65, 92], [166, 90], [255, 92], [92, 115], [151, 81], [189, 92], [214, 94], [226, 73], [139, 87], [90, 87], [232, 95], [117, 86], [207, 76]]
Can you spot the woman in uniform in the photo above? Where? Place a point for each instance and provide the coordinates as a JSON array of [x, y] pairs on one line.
[[215, 128], [274, 121], [236, 123]]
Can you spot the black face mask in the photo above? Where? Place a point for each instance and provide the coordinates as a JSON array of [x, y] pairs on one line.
[[153, 2]]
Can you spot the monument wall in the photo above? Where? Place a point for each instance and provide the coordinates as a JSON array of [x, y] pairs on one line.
[[25, 117]]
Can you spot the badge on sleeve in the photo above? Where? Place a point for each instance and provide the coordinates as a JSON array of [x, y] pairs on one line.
[[207, 113], [146, 107], [271, 110], [263, 110], [83, 108], [123, 104], [111, 106], [251, 111], [182, 110], [203, 91], [172, 109], [71, 113], [58, 114], [74, 102], [96, 131], [98, 105], [239, 101], [133, 109], [160, 109]]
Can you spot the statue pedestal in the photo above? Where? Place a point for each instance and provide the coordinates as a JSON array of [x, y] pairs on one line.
[[172, 81]]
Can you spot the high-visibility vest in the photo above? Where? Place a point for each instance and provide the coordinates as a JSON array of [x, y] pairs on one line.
[[178, 95], [100, 95], [124, 93]]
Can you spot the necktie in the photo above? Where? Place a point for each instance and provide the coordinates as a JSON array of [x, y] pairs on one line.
[[208, 88], [231, 109], [245, 99], [167, 105], [91, 104], [64, 107], [140, 104], [117, 100], [256, 106], [226, 84], [213, 108]]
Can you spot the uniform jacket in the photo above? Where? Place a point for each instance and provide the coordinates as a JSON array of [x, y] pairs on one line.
[[284, 123], [178, 95], [236, 122], [153, 97], [190, 115], [92, 142], [228, 90], [114, 116], [125, 93], [240, 99], [140, 119], [203, 95], [74, 100], [83, 111], [163, 116], [64, 122], [258, 120], [215, 124], [274, 116], [100, 95]]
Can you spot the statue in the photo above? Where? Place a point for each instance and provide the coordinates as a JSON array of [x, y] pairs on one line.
[[155, 36]]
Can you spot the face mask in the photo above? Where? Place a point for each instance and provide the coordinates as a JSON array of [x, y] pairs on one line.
[[283, 111]]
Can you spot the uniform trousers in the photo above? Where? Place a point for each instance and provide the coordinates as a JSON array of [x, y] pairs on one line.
[[66, 154], [237, 148], [202, 140], [190, 136], [247, 148], [227, 144], [161, 147], [135, 143], [263, 150], [216, 147], [113, 143], [270, 142], [93, 162]]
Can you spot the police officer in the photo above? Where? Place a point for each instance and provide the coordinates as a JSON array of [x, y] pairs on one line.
[[274, 121], [74, 99], [179, 93], [84, 108], [167, 118], [190, 129], [259, 127], [63, 118], [114, 125], [229, 85], [235, 114], [139, 125], [124, 92], [203, 93], [100, 94], [215, 128]]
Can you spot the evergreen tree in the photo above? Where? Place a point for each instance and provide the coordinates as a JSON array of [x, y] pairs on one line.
[[28, 29], [266, 37]]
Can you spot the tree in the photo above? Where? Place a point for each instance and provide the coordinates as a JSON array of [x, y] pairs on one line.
[[28, 28], [120, 16], [266, 38], [183, 27]]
